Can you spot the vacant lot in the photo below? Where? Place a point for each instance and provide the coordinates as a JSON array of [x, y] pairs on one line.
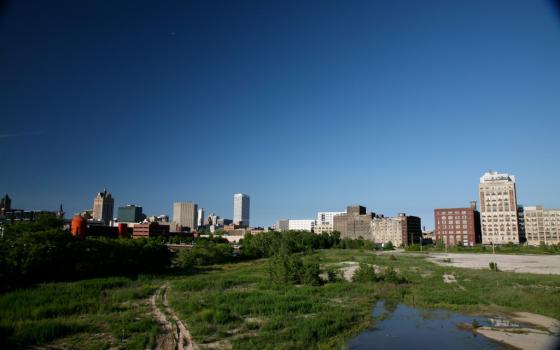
[[541, 264], [236, 306]]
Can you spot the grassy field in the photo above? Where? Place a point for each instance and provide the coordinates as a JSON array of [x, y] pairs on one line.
[[235, 305], [91, 314]]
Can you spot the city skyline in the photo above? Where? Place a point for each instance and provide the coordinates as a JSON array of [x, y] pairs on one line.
[[398, 107], [427, 221]]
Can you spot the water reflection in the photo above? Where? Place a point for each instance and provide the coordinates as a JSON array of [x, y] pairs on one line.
[[402, 327]]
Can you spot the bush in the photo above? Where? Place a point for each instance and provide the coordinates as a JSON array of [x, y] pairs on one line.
[[204, 253], [493, 266], [391, 276], [291, 269], [310, 273], [334, 275], [365, 273]]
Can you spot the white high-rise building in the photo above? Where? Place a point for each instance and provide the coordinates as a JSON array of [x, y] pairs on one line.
[[498, 208], [185, 214], [327, 217], [542, 226], [200, 221], [103, 207], [241, 205], [325, 221]]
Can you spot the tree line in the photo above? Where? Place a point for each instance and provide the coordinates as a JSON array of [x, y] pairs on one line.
[[42, 250]]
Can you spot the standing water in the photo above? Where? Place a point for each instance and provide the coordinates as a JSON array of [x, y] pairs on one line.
[[403, 327]]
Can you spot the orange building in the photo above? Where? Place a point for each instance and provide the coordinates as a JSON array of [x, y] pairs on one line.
[[79, 226]]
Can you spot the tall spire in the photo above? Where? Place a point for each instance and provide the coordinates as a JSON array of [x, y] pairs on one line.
[[60, 213]]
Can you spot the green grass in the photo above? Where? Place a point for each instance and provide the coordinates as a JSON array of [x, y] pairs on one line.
[[237, 302], [475, 290], [237, 305], [96, 313]]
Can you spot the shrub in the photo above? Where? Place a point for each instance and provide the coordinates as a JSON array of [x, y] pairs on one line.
[[310, 273], [493, 266], [365, 273], [291, 269], [334, 275], [391, 276], [206, 252]]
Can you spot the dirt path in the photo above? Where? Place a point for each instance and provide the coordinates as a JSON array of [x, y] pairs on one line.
[[176, 336]]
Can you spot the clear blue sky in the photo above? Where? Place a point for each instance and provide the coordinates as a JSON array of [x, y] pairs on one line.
[[304, 105]]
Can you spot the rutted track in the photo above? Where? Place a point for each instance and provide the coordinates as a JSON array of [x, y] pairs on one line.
[[176, 336]]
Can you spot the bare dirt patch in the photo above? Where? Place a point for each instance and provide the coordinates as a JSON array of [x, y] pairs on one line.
[[540, 264], [546, 334], [176, 335]]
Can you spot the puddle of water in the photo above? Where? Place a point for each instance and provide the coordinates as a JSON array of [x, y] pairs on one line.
[[403, 327]]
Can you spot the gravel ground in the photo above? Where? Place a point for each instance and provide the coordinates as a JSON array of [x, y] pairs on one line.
[[541, 264]]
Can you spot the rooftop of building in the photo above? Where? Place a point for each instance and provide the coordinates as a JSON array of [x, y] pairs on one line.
[[494, 176]]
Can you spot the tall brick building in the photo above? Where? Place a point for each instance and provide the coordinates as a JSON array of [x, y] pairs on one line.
[[458, 225]]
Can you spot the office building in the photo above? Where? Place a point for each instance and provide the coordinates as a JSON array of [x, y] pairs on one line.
[[5, 204], [327, 217], [19, 215], [282, 225], [542, 226], [103, 207], [325, 221], [130, 213], [241, 205], [498, 208], [401, 230], [320, 228], [458, 226], [200, 221], [185, 214], [151, 229], [212, 219], [301, 225], [355, 223]]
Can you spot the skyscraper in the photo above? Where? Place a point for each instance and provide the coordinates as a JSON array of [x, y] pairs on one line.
[[186, 214], [103, 207], [130, 213], [241, 209], [200, 221], [498, 208], [5, 204]]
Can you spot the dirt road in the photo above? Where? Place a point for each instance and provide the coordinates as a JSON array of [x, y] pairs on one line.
[[176, 336]]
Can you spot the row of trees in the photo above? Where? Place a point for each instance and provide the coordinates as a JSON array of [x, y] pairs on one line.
[[42, 251], [267, 244]]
